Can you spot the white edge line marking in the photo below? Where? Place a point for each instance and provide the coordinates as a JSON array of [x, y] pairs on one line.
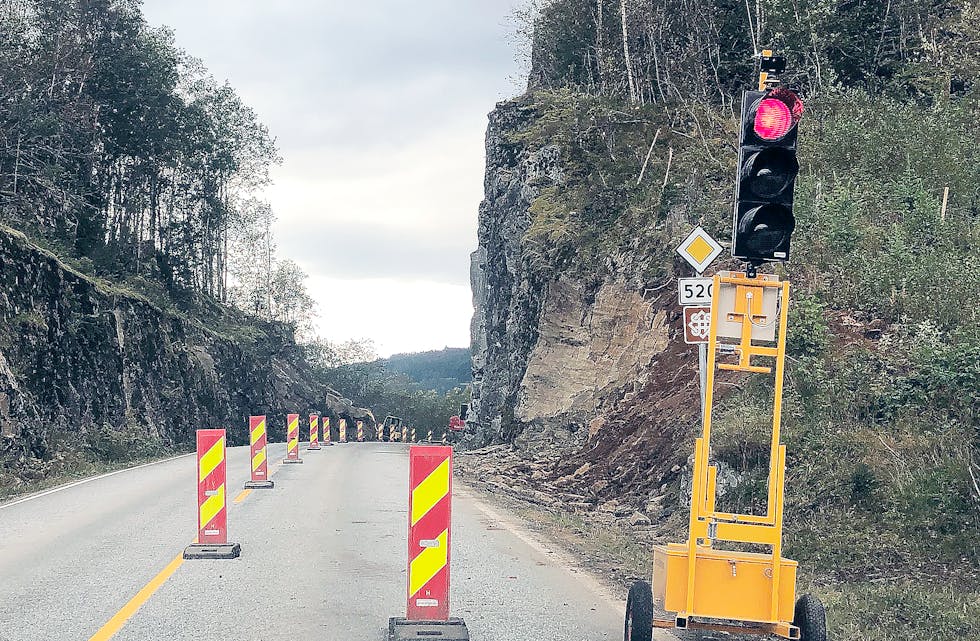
[[564, 558], [68, 486]]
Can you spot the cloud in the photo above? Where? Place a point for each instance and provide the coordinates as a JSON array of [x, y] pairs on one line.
[[361, 251], [399, 316], [379, 109]]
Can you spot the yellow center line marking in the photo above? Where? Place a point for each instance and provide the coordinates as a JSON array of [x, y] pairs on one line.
[[118, 620], [109, 630]]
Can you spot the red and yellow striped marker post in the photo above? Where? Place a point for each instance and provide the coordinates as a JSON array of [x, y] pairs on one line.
[[430, 483], [430, 495], [292, 439], [212, 517], [343, 430], [314, 432], [360, 431], [326, 431], [260, 459]]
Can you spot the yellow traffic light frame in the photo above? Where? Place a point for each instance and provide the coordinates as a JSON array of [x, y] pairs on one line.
[[708, 587]]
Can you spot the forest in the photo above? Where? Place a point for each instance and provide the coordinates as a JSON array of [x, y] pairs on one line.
[[424, 388], [124, 156]]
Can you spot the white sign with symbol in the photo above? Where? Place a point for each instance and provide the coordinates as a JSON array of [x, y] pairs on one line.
[[694, 291], [699, 249]]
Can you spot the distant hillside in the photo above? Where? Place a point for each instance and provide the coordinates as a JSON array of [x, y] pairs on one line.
[[424, 389], [439, 370]]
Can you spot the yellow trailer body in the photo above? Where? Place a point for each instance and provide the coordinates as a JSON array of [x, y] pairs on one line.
[[727, 584]]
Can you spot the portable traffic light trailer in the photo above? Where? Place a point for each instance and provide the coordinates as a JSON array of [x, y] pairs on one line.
[[705, 586]]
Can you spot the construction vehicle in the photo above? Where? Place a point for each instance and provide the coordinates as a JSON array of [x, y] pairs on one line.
[[389, 430]]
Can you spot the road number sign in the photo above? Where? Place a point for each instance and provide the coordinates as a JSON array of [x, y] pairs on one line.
[[697, 323], [694, 291]]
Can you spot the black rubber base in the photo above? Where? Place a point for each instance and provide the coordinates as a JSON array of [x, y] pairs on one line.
[[328, 444], [259, 485], [291, 460], [310, 447], [400, 629], [212, 551]]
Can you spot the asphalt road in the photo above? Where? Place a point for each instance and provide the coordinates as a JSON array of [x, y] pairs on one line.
[[323, 557]]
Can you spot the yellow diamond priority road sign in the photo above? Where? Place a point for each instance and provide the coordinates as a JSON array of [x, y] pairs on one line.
[[699, 249]]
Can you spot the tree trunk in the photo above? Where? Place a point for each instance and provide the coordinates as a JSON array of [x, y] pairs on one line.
[[631, 80]]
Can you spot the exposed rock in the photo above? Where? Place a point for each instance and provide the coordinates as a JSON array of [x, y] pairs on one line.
[[639, 519], [609, 506], [85, 366], [338, 408], [582, 367]]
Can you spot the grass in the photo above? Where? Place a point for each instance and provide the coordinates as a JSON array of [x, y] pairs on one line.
[[902, 608], [919, 608], [75, 467]]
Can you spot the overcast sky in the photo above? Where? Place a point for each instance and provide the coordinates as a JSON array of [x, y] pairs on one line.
[[379, 108]]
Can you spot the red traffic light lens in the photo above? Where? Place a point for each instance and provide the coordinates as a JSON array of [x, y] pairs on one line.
[[773, 119], [776, 113]]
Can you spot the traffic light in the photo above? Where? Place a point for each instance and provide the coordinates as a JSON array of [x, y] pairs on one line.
[[767, 169]]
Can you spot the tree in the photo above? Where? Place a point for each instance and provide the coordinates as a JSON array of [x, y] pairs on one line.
[[325, 354], [117, 147], [250, 257], [291, 303]]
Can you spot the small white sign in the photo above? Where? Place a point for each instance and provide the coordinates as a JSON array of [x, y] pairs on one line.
[[694, 291], [699, 249]]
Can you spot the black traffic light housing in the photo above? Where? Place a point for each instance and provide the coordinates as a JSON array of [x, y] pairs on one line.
[[767, 168]]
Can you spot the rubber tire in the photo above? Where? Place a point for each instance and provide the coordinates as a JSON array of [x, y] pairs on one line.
[[811, 618], [638, 625]]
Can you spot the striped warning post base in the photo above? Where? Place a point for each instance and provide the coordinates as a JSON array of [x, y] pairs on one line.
[[260, 459], [292, 439], [326, 431], [314, 432], [212, 517], [430, 490]]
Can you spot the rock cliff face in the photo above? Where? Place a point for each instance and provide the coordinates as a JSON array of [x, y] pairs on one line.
[[87, 368], [582, 366]]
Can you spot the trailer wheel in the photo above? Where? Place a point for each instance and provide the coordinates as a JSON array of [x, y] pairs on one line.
[[811, 618], [639, 613]]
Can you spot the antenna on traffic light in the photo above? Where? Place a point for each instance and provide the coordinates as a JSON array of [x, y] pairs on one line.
[[767, 168]]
